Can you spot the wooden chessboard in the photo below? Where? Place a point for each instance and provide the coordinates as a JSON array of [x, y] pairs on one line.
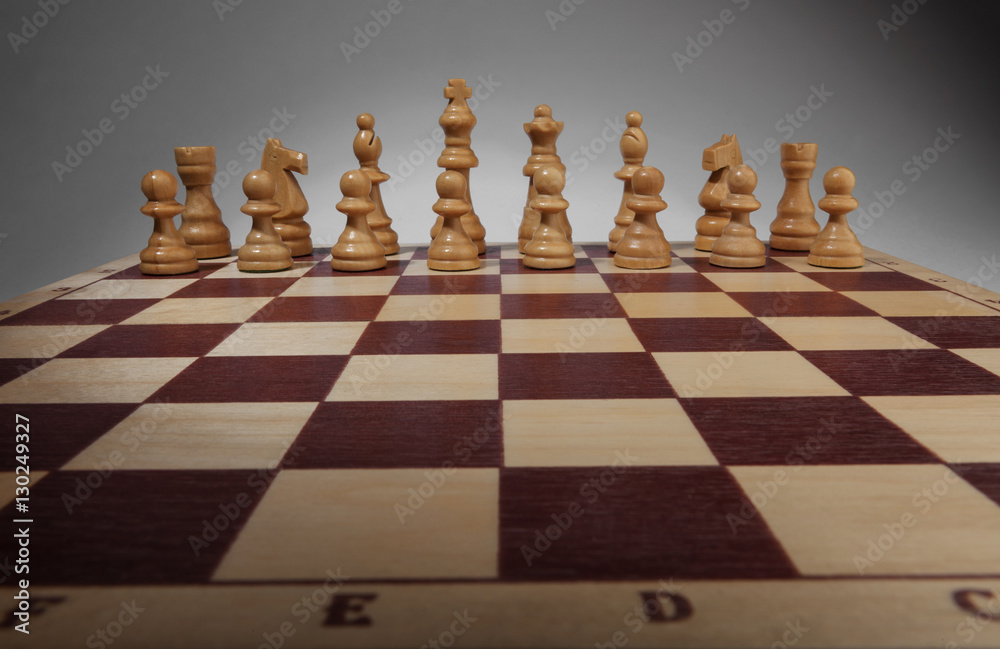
[[691, 457]]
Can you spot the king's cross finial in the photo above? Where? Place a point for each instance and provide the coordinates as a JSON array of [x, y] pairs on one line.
[[457, 90]]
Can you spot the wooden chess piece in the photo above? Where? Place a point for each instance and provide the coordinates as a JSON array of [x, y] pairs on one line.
[[633, 147], [368, 150], [543, 132], [795, 226], [264, 251], [549, 248], [719, 158], [452, 248], [837, 246], [358, 248], [458, 122], [738, 245], [201, 221], [166, 252], [643, 244], [280, 162]]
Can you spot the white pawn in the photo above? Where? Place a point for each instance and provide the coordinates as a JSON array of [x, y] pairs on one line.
[[549, 247], [837, 246], [452, 248], [738, 246], [357, 248], [643, 244]]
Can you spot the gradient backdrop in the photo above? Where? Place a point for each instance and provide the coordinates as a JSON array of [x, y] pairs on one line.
[[874, 83]]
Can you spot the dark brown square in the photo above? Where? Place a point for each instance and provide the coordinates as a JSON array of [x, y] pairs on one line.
[[597, 250], [702, 265], [560, 305], [393, 266], [801, 430], [706, 335], [800, 303], [254, 378], [141, 341], [321, 309], [630, 522], [12, 368], [79, 312], [402, 434], [254, 286], [508, 266], [643, 282], [954, 332], [870, 281], [984, 476], [450, 283], [59, 431], [904, 372], [318, 254], [135, 527], [633, 375], [205, 268], [423, 337]]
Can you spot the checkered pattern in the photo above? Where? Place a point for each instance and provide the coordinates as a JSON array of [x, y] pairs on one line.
[[486, 402]]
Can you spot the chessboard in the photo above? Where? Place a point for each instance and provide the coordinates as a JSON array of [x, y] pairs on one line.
[[590, 457]]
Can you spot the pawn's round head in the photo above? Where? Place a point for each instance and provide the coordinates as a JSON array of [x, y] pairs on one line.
[[634, 118], [648, 181], [549, 180], [451, 184], [355, 184], [543, 110], [742, 180], [839, 180], [366, 122], [159, 185], [258, 185]]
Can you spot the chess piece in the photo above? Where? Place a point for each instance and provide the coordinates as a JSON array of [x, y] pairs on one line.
[[543, 132], [795, 227], [201, 220], [357, 248], [549, 248], [452, 248], [368, 150], [633, 147], [643, 244], [719, 158], [837, 246], [738, 245], [458, 122], [264, 252], [280, 162], [166, 252]]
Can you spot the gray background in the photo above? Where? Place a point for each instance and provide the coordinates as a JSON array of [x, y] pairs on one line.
[[229, 71]]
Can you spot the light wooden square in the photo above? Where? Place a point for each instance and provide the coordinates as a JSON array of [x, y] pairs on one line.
[[198, 436], [988, 359], [919, 303], [368, 523], [958, 428], [920, 519], [291, 339], [764, 282], [199, 310], [607, 265], [130, 289], [803, 266], [681, 305], [568, 335], [337, 285], [688, 250], [418, 377], [231, 271], [553, 283], [745, 374], [600, 432], [432, 308], [844, 333], [486, 267], [93, 380], [43, 341]]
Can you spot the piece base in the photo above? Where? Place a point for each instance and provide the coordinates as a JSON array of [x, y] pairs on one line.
[[704, 242], [795, 244], [176, 268], [354, 266], [727, 261], [641, 263], [262, 266], [548, 263], [453, 264], [835, 262]]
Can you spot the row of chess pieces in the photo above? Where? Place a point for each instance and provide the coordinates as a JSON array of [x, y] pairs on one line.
[[279, 232]]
